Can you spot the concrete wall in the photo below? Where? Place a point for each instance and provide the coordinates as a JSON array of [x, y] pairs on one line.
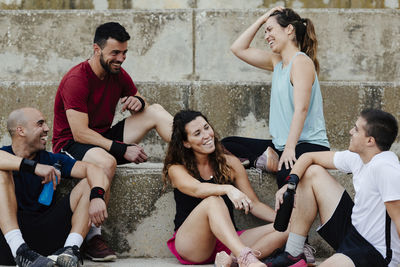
[[234, 108], [355, 45], [173, 4]]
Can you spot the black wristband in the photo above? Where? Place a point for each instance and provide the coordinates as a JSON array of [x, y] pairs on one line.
[[27, 165], [292, 178], [141, 101], [118, 149], [97, 192]]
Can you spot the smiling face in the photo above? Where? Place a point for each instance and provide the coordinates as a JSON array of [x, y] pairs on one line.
[[112, 55], [35, 130], [275, 35], [200, 136], [359, 138]]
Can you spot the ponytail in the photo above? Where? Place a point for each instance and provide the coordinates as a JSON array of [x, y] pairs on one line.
[[309, 43]]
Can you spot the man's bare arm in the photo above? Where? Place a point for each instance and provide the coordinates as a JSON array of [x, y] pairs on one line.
[[79, 123], [324, 159], [393, 208]]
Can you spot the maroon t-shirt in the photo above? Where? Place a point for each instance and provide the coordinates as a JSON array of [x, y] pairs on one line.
[[83, 91]]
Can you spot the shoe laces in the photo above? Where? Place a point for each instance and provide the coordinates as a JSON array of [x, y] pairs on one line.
[[309, 251], [77, 253], [26, 257]]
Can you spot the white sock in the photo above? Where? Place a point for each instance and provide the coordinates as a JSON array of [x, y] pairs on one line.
[[93, 231], [14, 240], [295, 244], [73, 239]]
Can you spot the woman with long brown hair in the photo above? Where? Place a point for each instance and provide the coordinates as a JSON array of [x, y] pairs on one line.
[[296, 119], [208, 185]]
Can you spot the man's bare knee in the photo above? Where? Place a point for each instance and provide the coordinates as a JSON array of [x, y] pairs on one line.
[[156, 108], [313, 173], [102, 159], [109, 165]]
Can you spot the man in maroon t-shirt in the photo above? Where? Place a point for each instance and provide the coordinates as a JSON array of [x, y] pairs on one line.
[[84, 109]]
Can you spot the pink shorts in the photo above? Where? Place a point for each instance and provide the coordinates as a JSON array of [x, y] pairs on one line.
[[218, 248]]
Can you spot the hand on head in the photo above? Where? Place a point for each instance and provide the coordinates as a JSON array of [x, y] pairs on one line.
[[265, 17]]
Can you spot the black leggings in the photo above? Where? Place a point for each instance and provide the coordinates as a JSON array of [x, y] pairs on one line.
[[251, 149]]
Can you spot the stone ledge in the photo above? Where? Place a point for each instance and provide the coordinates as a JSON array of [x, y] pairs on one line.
[[233, 108], [141, 215]]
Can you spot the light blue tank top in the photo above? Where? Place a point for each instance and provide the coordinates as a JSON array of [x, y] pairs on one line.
[[282, 109]]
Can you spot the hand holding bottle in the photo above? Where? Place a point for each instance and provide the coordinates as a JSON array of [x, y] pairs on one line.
[[48, 173], [285, 203], [46, 196]]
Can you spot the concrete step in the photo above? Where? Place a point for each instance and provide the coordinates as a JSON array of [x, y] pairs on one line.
[[141, 214], [233, 108], [193, 44]]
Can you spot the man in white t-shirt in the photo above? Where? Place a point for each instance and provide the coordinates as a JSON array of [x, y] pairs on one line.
[[356, 230]]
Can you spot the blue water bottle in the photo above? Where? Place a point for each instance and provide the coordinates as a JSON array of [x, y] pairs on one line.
[[46, 196]]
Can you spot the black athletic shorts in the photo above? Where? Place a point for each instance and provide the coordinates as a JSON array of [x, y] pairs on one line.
[[45, 233], [78, 150], [341, 235]]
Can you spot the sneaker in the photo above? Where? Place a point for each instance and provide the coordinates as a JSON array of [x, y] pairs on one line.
[[284, 259], [97, 250], [309, 252], [67, 257], [268, 161], [29, 258]]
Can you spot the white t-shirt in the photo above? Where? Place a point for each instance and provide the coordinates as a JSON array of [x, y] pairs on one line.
[[376, 182]]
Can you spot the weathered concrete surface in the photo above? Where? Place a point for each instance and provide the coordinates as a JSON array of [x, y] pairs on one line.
[[141, 215], [173, 4], [348, 49], [44, 45], [193, 44], [234, 108]]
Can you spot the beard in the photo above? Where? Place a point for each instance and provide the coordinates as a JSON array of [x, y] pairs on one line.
[[107, 66]]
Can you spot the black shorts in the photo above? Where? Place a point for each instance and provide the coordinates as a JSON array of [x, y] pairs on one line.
[[252, 148], [341, 235], [78, 150], [43, 232]]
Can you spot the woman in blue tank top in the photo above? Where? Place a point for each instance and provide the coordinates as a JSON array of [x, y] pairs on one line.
[[296, 119], [208, 184]]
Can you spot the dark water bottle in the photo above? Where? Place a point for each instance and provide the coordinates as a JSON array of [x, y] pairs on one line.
[[285, 211], [46, 196]]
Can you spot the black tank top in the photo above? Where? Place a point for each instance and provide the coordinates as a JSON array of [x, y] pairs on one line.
[[185, 204]]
